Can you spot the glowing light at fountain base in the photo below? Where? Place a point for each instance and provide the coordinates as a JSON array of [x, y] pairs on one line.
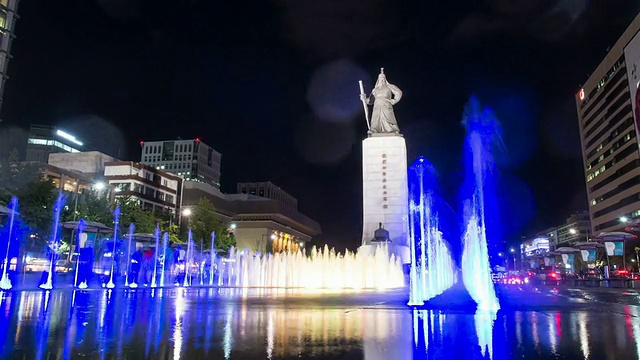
[[476, 273], [323, 269]]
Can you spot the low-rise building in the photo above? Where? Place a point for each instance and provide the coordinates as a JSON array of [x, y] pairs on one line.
[[153, 189], [259, 223]]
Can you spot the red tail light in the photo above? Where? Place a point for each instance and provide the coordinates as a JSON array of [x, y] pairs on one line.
[[553, 275]]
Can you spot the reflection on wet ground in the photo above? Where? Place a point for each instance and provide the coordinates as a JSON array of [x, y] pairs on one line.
[[236, 324]]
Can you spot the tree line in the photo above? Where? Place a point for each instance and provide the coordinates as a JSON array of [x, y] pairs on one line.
[[37, 196]]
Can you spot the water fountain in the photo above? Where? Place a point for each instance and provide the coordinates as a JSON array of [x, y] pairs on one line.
[[188, 260], [128, 258], [432, 268], [5, 282], [476, 269], [80, 231], [116, 222], [323, 269], [165, 239], [156, 235], [54, 242], [213, 258]]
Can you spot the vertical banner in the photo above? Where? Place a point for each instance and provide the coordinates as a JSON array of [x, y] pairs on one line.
[[632, 60]]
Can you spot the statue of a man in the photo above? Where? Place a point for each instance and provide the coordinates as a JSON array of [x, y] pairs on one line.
[[384, 95]]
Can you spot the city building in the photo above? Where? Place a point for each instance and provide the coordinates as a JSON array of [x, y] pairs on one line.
[[577, 228], [44, 140], [259, 223], [190, 159], [608, 134], [8, 18], [153, 189], [267, 190], [89, 163]]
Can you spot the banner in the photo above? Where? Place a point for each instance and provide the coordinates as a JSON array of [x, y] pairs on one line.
[[632, 59], [614, 248], [567, 259], [588, 255]]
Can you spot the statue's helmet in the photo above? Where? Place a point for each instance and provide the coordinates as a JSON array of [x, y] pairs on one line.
[[382, 79]]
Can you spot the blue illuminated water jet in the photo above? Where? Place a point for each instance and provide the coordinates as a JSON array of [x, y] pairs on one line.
[[54, 242], [5, 283], [432, 268], [156, 235], [79, 232], [116, 222], [165, 239], [133, 284], [213, 257], [482, 134]]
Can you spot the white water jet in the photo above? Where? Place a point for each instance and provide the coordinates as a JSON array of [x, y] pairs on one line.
[[322, 269], [432, 268]]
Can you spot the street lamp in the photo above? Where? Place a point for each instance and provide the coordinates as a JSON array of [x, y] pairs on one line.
[[513, 251], [98, 186], [624, 219], [573, 231], [186, 212], [233, 226]]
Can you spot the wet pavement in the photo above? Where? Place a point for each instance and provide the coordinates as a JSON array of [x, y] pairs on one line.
[[534, 323]]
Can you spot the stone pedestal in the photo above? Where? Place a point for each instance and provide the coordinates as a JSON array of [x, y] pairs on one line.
[[385, 190]]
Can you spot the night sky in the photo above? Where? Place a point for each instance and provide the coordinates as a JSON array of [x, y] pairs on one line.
[[273, 87]]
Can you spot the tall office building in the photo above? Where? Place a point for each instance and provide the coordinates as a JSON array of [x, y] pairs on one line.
[[8, 18], [44, 140], [190, 159], [608, 132]]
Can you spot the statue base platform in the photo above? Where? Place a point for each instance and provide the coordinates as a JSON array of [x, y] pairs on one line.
[[385, 193]]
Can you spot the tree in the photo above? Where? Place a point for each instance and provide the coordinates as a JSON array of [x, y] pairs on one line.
[[16, 177], [90, 207], [37, 201], [130, 212], [204, 220]]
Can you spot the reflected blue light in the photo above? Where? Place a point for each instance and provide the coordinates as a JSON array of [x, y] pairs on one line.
[[484, 321]]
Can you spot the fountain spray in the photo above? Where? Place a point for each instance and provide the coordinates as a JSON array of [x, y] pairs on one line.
[[5, 283], [133, 284], [213, 257], [156, 234], [80, 231], [165, 239], [188, 259], [54, 241], [482, 131], [116, 223]]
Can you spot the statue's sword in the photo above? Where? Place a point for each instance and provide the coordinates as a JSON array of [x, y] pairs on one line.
[[364, 104]]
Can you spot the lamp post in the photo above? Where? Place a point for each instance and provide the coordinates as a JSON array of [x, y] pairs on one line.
[[513, 252]]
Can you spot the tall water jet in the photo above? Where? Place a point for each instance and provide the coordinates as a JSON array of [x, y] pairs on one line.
[[54, 241], [156, 235], [79, 232], [5, 282], [432, 268], [165, 239], [116, 223], [213, 257], [134, 284], [482, 135], [188, 260]]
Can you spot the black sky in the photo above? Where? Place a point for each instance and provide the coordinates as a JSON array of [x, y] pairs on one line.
[[272, 86]]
